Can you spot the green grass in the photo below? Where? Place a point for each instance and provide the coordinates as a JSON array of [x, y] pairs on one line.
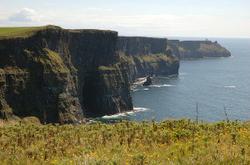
[[50, 60], [13, 32], [201, 46], [23, 32], [211, 48], [106, 68], [155, 58], [167, 142]]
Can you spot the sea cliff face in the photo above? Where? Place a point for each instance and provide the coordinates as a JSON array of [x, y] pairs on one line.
[[197, 49], [145, 56], [54, 75], [134, 46]]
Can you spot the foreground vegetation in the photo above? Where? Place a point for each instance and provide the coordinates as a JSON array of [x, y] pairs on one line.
[[168, 142]]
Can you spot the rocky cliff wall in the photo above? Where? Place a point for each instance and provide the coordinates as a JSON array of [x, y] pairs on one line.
[[108, 90], [134, 46], [145, 56], [37, 81], [54, 75], [149, 65]]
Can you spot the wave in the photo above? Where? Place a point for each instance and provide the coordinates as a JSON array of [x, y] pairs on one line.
[[135, 90], [126, 114], [140, 89], [183, 74], [230, 86], [163, 85], [140, 109], [151, 86]]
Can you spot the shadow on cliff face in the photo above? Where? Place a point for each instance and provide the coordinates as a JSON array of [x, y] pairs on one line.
[[36, 89], [106, 92]]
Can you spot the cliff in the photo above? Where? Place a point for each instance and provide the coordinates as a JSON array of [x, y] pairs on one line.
[[134, 46], [63, 76], [145, 56], [197, 49], [54, 74]]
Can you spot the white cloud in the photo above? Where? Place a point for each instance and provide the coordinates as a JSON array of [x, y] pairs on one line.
[[25, 15]]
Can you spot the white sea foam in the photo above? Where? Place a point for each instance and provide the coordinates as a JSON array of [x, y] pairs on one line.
[[140, 81], [163, 85], [118, 115], [230, 86], [135, 90], [140, 89], [182, 74], [140, 109], [125, 114]]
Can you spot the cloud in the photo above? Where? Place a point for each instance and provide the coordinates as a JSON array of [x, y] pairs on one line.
[[96, 9], [25, 15]]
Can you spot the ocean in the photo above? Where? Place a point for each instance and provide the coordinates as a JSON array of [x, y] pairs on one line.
[[212, 89]]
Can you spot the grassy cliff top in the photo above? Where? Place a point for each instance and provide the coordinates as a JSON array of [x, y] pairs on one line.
[[142, 38], [15, 32], [90, 31], [23, 32]]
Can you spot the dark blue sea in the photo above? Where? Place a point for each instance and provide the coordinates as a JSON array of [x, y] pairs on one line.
[[218, 87]]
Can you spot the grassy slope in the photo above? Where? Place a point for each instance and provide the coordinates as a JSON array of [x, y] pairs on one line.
[[17, 32], [157, 58], [14, 32], [168, 142]]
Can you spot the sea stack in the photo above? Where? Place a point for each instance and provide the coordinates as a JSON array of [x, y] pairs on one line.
[[148, 81]]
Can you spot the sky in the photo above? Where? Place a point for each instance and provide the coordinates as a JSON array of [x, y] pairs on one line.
[[155, 18]]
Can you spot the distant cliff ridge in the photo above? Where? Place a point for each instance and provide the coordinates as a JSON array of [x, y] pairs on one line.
[[146, 56], [134, 46], [197, 49]]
